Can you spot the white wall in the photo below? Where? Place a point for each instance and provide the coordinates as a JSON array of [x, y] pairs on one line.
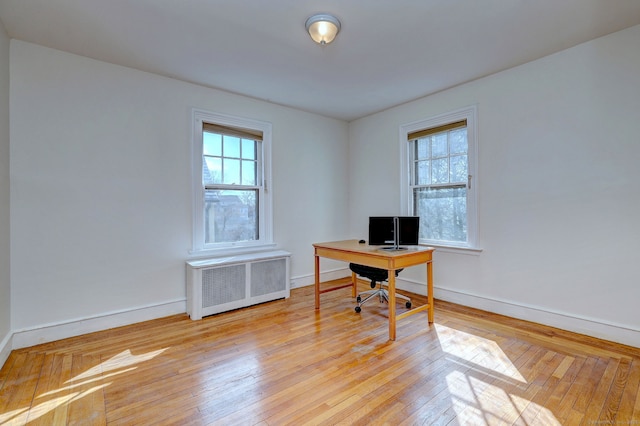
[[558, 180], [5, 294], [101, 202], [100, 179]]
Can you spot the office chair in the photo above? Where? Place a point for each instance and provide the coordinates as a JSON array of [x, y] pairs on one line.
[[376, 275]]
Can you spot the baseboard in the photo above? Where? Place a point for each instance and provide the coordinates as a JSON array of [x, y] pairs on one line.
[[593, 327], [306, 280], [51, 332], [6, 346], [588, 326]]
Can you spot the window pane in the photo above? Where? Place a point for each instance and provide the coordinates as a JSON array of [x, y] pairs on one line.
[[458, 141], [248, 149], [422, 173], [230, 216], [422, 148], [440, 170], [248, 172], [212, 144], [459, 168], [443, 213], [212, 170], [231, 173], [231, 146], [439, 146]]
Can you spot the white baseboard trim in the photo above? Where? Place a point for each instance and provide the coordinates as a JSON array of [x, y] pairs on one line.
[[6, 346], [306, 280], [593, 327], [588, 326], [51, 332]]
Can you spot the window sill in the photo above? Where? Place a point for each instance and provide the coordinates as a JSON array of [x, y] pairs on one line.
[[230, 251], [470, 251]]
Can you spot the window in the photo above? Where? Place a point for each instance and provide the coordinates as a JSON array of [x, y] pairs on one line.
[[439, 162], [231, 169]]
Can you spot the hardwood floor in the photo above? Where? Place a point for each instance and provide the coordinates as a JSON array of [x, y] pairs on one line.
[[284, 363]]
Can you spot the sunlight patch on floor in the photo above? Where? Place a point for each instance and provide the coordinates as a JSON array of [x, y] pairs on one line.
[[86, 382], [484, 389], [123, 359], [15, 415], [124, 362], [480, 352]]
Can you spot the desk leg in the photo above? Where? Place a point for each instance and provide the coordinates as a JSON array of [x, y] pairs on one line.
[[354, 282], [430, 292], [392, 305], [317, 284]]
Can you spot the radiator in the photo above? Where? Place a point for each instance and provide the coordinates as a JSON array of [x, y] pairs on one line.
[[226, 283]]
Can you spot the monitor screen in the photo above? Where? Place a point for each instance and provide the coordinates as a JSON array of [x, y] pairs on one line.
[[408, 230], [382, 230]]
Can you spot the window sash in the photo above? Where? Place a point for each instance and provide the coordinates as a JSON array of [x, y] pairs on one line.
[[236, 220], [458, 180], [242, 169], [259, 133], [229, 218], [424, 168]]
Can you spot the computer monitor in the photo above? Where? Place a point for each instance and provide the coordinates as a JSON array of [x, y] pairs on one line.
[[409, 229], [381, 231], [394, 231]]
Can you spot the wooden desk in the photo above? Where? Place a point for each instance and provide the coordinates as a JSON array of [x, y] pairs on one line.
[[363, 254]]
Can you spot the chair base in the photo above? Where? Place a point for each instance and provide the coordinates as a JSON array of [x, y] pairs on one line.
[[383, 295]]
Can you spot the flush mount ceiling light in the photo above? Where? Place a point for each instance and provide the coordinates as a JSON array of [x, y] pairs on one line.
[[323, 28]]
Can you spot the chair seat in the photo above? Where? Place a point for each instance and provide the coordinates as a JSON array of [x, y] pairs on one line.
[[376, 275]]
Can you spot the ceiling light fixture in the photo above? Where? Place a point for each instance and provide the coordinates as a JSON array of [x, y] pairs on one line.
[[323, 28]]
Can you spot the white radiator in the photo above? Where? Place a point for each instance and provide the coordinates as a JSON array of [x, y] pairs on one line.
[[222, 284]]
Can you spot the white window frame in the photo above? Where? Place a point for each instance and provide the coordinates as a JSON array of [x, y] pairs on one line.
[[265, 225], [469, 114]]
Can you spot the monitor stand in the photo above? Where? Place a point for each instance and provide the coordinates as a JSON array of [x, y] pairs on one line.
[[394, 248]]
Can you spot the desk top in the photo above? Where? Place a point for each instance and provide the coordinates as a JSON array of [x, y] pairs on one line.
[[354, 245], [353, 251]]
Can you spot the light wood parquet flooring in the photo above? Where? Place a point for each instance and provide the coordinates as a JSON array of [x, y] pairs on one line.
[[283, 363]]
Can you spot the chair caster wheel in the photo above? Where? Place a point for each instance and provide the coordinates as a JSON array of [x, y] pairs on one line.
[[358, 309], [358, 299], [408, 305]]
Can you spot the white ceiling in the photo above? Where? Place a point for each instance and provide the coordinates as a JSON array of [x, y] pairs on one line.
[[388, 52]]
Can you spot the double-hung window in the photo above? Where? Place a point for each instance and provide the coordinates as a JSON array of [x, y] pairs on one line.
[[232, 203], [439, 156]]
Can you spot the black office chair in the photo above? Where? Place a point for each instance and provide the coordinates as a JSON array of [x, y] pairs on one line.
[[376, 275]]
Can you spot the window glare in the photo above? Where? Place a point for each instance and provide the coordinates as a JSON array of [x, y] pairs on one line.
[[458, 141], [459, 168], [248, 149], [212, 144], [249, 172], [440, 175], [443, 213], [440, 170], [231, 146], [231, 173], [439, 146], [423, 148]]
